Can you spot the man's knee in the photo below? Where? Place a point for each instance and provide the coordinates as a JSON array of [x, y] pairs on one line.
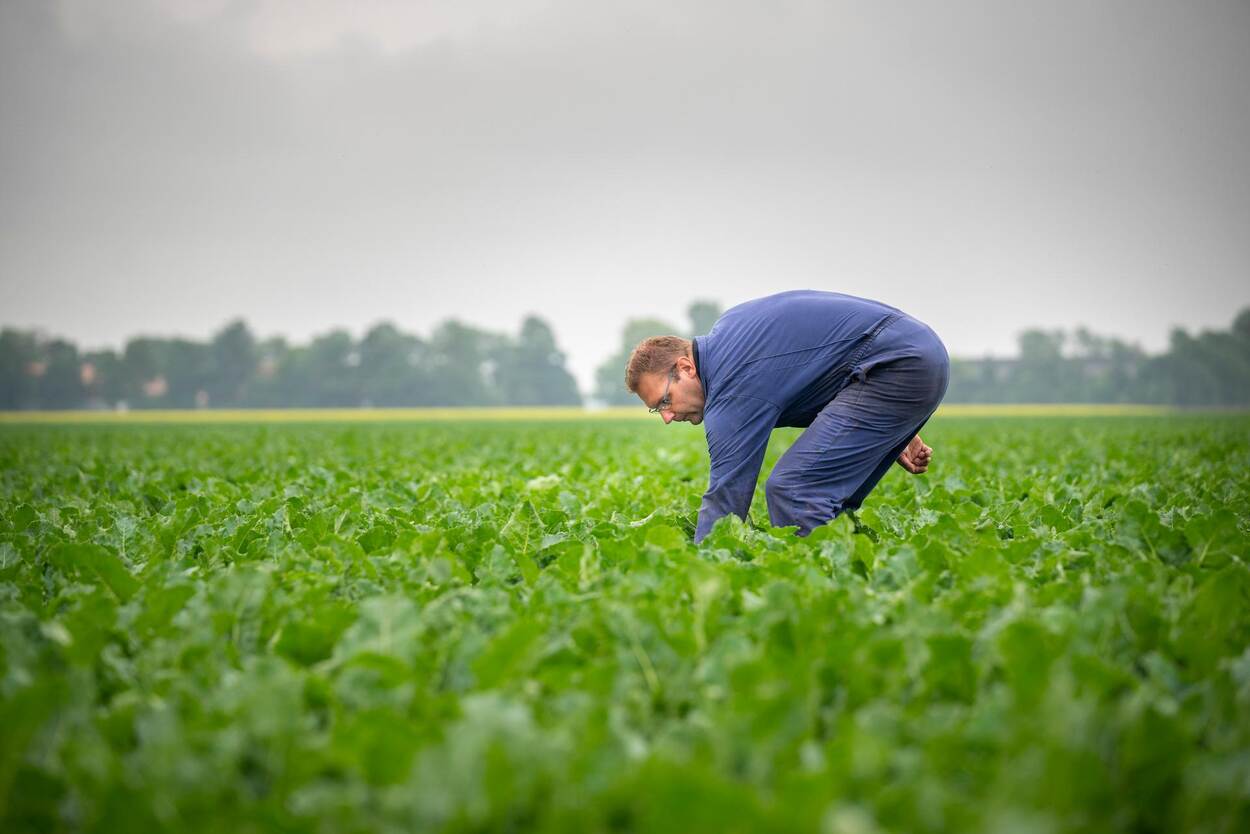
[[781, 490], [793, 502]]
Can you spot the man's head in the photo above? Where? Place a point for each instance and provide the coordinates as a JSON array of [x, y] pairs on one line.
[[663, 375]]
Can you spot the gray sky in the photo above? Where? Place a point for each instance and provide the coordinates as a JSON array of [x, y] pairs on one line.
[[166, 165]]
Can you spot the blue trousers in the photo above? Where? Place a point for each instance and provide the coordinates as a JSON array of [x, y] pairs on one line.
[[854, 440]]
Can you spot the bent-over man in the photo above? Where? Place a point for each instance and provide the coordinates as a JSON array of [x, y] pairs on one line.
[[862, 378]]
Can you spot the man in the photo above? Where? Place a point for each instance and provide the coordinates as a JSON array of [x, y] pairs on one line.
[[861, 377]]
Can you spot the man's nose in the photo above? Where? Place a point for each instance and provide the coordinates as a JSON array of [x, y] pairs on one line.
[[668, 416]]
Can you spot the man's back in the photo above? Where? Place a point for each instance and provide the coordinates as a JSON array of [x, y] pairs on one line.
[[790, 350]]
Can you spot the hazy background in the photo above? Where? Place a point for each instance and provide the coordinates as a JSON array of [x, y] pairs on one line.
[[167, 165]]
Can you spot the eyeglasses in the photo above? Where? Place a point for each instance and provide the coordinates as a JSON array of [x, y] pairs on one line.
[[664, 404]]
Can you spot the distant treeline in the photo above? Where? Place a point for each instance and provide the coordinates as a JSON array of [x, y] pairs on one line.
[[460, 365], [457, 365], [1209, 369]]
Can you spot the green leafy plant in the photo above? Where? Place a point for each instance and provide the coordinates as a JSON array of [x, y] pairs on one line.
[[507, 627]]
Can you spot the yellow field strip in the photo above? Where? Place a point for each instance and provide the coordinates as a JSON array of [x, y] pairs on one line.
[[389, 415], [1053, 410]]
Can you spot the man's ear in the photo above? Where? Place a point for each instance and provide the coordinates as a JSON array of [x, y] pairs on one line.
[[686, 365]]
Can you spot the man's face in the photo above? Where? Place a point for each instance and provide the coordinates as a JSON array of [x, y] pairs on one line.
[[684, 400]]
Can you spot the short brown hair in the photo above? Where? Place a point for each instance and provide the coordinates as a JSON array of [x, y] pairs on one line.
[[655, 355]]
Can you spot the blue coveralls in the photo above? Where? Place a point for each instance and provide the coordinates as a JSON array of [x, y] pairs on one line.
[[861, 376]]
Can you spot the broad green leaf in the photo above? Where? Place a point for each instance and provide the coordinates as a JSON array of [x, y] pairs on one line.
[[95, 562]]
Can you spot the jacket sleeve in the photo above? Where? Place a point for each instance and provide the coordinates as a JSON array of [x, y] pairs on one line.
[[737, 436]]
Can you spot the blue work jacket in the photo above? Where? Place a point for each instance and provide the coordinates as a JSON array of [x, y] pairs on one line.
[[777, 361]]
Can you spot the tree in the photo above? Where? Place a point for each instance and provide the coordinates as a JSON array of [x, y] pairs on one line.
[[1040, 374], [265, 388], [1126, 364], [18, 353], [142, 366], [1223, 356], [531, 371], [460, 364], [104, 378], [326, 370], [60, 384], [233, 356], [186, 366], [1241, 326], [702, 314], [390, 370]]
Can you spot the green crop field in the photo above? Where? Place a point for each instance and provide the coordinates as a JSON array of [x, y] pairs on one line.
[[505, 626]]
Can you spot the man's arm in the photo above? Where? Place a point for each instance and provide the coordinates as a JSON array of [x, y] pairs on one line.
[[737, 436]]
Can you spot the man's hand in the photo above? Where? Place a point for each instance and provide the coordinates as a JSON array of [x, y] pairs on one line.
[[915, 458]]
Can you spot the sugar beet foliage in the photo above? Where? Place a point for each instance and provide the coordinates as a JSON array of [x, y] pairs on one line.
[[507, 627]]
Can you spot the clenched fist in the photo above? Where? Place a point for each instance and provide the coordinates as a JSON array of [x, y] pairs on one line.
[[915, 458]]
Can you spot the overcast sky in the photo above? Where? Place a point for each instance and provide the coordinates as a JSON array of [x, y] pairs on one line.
[[166, 165]]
